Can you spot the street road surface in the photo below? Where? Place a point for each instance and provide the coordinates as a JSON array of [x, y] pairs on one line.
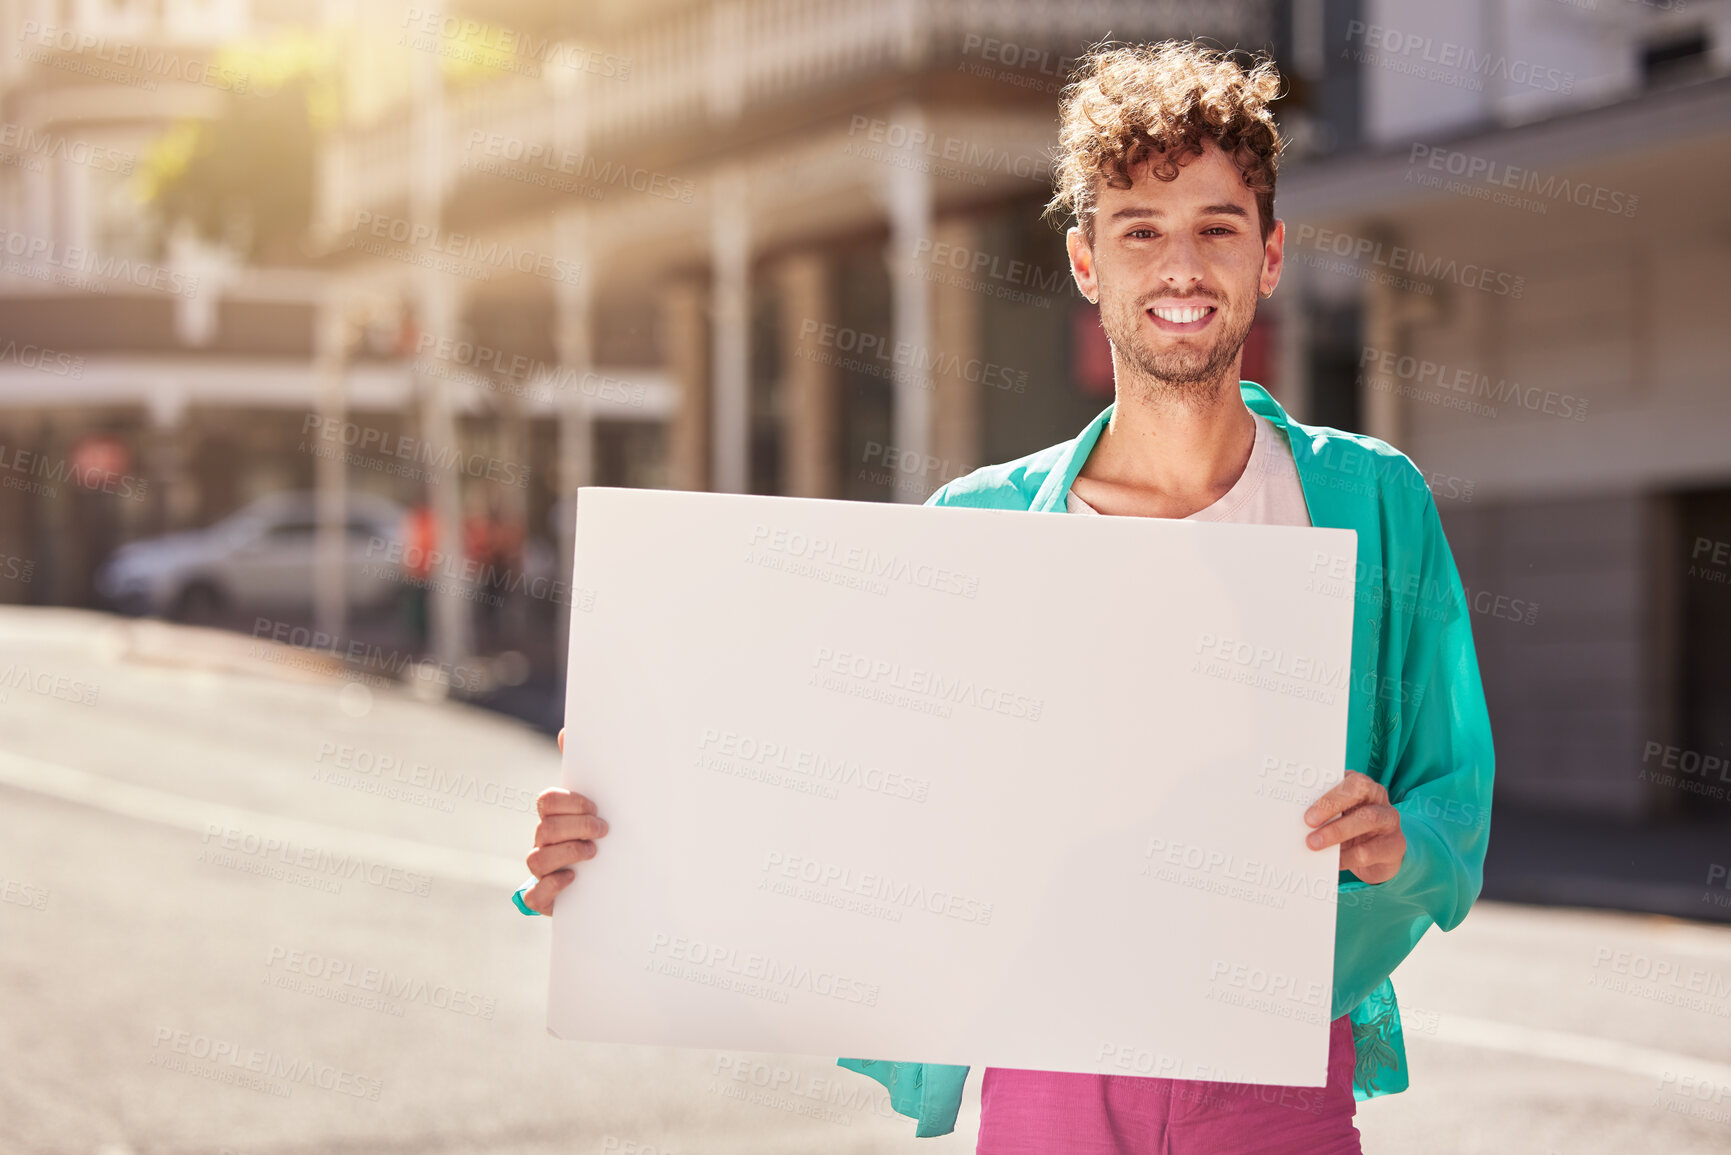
[[253, 907]]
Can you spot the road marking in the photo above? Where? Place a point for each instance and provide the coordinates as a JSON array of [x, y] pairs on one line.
[[1567, 1047], [198, 815]]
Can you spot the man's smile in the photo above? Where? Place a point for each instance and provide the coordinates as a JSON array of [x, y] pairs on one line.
[[1181, 316]]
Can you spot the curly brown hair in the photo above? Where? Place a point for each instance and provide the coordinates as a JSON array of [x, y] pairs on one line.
[[1126, 104]]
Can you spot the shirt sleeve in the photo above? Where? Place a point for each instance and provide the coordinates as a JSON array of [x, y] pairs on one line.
[[1431, 748], [929, 1093]]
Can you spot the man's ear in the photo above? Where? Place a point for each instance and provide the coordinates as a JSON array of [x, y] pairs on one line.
[[1082, 264], [1273, 259]]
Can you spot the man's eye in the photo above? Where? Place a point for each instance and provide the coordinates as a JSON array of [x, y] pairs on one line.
[[1222, 230], [1140, 234]]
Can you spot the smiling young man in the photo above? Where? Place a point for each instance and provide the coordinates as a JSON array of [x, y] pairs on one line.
[[1167, 158], [1167, 162]]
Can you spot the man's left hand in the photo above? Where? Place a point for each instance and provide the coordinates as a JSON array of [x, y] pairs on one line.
[[1357, 815]]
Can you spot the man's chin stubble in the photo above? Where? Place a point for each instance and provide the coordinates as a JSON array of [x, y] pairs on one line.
[[1192, 381]]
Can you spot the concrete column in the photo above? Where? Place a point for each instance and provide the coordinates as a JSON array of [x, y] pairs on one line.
[[36, 206], [908, 197], [59, 553], [174, 499], [685, 331], [1292, 340], [955, 431], [441, 311], [330, 473], [427, 142], [1382, 330], [809, 440], [573, 336], [730, 296]]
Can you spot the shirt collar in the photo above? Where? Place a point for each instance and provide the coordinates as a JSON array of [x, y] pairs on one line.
[[1053, 495]]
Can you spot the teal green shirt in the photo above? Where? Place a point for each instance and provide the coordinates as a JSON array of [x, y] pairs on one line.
[[1416, 722]]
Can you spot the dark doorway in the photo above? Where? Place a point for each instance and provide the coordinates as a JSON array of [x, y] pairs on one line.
[[1704, 566]]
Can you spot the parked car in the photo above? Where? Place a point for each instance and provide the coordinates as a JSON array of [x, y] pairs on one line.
[[261, 557]]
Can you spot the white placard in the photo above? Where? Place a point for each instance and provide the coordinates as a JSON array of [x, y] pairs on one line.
[[954, 785]]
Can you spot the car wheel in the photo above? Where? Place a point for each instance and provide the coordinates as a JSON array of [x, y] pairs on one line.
[[200, 603]]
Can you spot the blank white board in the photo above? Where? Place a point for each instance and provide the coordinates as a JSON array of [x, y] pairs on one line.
[[954, 785]]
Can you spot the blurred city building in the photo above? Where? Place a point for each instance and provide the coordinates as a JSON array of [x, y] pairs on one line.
[[795, 247]]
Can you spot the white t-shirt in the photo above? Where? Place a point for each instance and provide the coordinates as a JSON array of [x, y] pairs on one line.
[[1266, 493]]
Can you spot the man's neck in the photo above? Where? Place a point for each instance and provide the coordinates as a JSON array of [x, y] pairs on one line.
[[1166, 456]]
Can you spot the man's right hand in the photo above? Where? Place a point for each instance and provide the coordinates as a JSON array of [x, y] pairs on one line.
[[565, 836]]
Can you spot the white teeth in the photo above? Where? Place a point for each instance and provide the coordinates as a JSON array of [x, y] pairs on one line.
[[1182, 316]]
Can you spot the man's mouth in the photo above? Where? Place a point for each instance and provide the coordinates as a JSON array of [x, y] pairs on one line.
[[1187, 318]]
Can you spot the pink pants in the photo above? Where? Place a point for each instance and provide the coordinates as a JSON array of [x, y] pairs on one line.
[[1041, 1112]]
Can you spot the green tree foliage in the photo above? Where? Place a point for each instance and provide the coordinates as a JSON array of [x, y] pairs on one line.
[[245, 175]]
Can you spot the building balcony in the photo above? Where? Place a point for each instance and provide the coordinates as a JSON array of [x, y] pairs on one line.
[[684, 86]]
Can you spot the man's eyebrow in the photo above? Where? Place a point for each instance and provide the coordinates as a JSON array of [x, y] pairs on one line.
[[1224, 209]]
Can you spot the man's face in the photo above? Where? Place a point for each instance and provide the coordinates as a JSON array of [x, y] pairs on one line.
[[1177, 267]]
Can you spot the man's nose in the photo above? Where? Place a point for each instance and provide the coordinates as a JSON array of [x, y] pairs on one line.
[[1181, 263]]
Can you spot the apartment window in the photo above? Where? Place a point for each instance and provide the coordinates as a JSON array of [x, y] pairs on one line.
[[1676, 58], [1334, 354]]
